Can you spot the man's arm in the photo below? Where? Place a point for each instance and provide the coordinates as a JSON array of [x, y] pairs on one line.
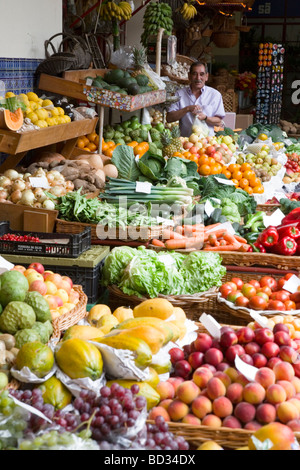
[[173, 116], [210, 120]]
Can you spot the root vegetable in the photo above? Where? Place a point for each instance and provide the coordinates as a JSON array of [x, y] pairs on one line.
[[2, 346], [11, 174], [111, 170], [8, 340]]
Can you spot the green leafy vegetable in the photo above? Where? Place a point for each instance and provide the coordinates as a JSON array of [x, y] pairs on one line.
[[124, 159], [152, 166], [201, 271], [115, 262]]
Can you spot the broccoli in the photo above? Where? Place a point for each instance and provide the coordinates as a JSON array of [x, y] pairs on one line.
[[230, 210]]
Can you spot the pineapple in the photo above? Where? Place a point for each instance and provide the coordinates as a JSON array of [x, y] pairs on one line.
[[171, 143], [140, 60]]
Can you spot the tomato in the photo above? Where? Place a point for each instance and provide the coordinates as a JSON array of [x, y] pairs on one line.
[[233, 296], [239, 283], [263, 295], [254, 283], [269, 282], [283, 280], [242, 301], [232, 284], [225, 290], [281, 295], [288, 276], [290, 305], [266, 290], [276, 305], [248, 290], [295, 297], [258, 303]]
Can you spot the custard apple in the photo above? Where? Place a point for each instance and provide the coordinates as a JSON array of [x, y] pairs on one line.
[[40, 306], [26, 336], [45, 330], [14, 286], [16, 316]]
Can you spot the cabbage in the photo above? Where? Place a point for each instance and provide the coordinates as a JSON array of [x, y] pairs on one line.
[[201, 271], [115, 263]]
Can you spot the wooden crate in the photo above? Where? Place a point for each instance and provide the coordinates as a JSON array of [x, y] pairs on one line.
[[27, 218]]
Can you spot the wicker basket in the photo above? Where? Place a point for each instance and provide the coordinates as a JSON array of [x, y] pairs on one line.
[[191, 304], [225, 39], [212, 2], [140, 233], [230, 101], [71, 318], [180, 59], [286, 263], [268, 208]]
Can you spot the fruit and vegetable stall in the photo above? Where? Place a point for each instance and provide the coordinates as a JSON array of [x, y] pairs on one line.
[[149, 282]]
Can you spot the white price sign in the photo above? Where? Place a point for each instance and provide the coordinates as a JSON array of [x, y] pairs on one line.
[[143, 187]]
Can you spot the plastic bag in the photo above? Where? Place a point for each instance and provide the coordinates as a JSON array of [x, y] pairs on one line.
[[122, 58], [200, 128]]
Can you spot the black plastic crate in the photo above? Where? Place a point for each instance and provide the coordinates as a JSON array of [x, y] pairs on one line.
[[51, 244]]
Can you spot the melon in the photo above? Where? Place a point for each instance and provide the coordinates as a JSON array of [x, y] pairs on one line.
[[12, 121]]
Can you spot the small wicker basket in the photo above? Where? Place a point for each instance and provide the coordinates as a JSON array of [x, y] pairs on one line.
[[180, 59], [225, 39], [72, 317]]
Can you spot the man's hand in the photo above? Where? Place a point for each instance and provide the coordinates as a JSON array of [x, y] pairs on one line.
[[194, 109], [201, 116]]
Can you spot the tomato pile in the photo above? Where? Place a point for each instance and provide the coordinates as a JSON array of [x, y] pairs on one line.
[[265, 294], [12, 237]]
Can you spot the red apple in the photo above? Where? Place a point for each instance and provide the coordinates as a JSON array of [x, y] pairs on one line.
[[281, 327], [232, 351], [282, 338], [38, 267], [247, 359], [203, 342], [228, 338], [196, 359], [259, 360], [263, 335], [176, 354], [252, 348], [270, 349], [245, 335], [273, 361], [182, 369], [213, 356], [288, 354]]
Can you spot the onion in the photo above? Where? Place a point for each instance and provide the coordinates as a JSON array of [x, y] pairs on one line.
[[37, 205], [26, 176], [5, 200], [95, 161], [16, 196], [58, 190], [39, 172], [18, 183], [27, 198], [4, 181], [39, 194], [69, 185], [3, 194], [11, 174], [48, 204]]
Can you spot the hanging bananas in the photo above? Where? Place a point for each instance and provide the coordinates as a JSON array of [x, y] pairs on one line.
[[112, 11], [188, 11]]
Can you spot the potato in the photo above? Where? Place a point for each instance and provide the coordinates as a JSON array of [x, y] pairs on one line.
[[9, 341]]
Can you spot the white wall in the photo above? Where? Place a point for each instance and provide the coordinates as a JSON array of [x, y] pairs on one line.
[[26, 24]]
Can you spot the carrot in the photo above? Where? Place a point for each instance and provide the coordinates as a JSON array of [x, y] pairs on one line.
[[212, 239], [179, 229], [223, 243], [170, 234], [175, 244], [194, 228], [208, 228], [240, 239], [244, 248], [230, 238], [222, 248], [217, 233], [157, 242]]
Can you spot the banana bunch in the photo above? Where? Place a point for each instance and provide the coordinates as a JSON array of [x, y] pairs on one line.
[[188, 11], [157, 15], [112, 11]]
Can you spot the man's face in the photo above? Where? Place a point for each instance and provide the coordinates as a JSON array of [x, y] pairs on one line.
[[198, 77]]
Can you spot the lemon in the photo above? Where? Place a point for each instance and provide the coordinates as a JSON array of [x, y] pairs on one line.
[[60, 110], [262, 137], [41, 123], [40, 102], [47, 103], [33, 105], [32, 116], [59, 119], [54, 111], [9, 94], [51, 121], [24, 98], [32, 96], [42, 113]]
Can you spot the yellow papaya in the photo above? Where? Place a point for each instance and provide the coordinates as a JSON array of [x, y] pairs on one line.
[[152, 336], [136, 345], [153, 379], [151, 321], [55, 393], [79, 359], [162, 368], [151, 395], [107, 322], [175, 329], [157, 307], [96, 312], [85, 332], [123, 313], [179, 314]]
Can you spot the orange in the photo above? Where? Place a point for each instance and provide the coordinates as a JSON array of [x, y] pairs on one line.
[[194, 158], [141, 148], [92, 146], [177, 154], [133, 143], [109, 152], [96, 141], [204, 170], [254, 182], [211, 161], [235, 182], [187, 155], [216, 169], [80, 143], [244, 183], [259, 189], [226, 173], [85, 140], [203, 160], [246, 167], [233, 167], [248, 190], [104, 146], [86, 149], [110, 143], [237, 175], [249, 174], [92, 136]]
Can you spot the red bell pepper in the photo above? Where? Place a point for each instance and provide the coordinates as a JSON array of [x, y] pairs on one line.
[[260, 247], [287, 246], [288, 231], [269, 237], [293, 216]]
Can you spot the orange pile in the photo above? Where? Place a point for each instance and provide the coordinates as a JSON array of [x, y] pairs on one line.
[[89, 142], [138, 148], [244, 177]]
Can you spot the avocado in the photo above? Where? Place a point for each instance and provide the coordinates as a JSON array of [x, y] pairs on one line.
[[114, 75], [142, 79], [133, 89]]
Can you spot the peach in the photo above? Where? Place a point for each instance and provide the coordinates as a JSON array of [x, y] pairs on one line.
[[284, 371], [165, 403], [59, 301], [201, 376], [68, 279], [66, 286], [210, 445], [241, 379], [55, 278], [35, 276], [222, 407], [74, 296], [20, 268], [29, 271], [212, 421], [187, 391], [165, 390], [295, 402], [232, 373], [191, 419], [254, 393], [47, 273], [231, 422], [159, 411], [51, 288], [51, 301], [275, 394], [63, 295], [175, 381], [203, 342], [38, 286], [265, 377], [201, 406], [288, 387], [235, 393], [245, 412], [223, 377], [177, 410], [62, 310], [252, 426], [265, 413], [294, 424], [215, 388], [54, 313], [286, 412]]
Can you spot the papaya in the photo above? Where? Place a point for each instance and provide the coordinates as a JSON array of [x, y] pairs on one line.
[[153, 379], [151, 321], [107, 322], [179, 314], [281, 436], [12, 121], [56, 393], [161, 368], [160, 308], [136, 345], [152, 336], [146, 391], [79, 359], [96, 312], [85, 332], [123, 313], [38, 357], [175, 329]]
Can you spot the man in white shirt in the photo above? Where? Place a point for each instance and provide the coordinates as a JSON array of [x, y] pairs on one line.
[[199, 100]]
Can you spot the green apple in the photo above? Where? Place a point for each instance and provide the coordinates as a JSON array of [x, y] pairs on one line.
[[227, 139], [3, 380]]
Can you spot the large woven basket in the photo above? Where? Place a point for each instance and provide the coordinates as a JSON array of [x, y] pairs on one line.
[[268, 208], [287, 263], [225, 39], [193, 305], [180, 59], [72, 317]]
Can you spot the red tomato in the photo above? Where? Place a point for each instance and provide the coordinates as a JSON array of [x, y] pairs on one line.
[[266, 290], [269, 282], [225, 290], [263, 295], [239, 283], [232, 296], [242, 301], [290, 305], [258, 303], [295, 297], [282, 280], [281, 295], [288, 276], [232, 284], [254, 283], [248, 290], [276, 305]]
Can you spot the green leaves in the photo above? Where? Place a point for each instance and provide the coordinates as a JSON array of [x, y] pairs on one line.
[[152, 166], [124, 159]]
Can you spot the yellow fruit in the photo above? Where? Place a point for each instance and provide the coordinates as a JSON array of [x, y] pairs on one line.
[[33, 105], [56, 393], [281, 436], [123, 313], [79, 359], [67, 119], [157, 323], [24, 98], [153, 379], [160, 308], [162, 368], [41, 123], [32, 96], [107, 322], [54, 111], [50, 121], [47, 102], [33, 117], [42, 113], [84, 332], [210, 445], [152, 336], [179, 314], [175, 329], [96, 312], [146, 391], [9, 94], [38, 357], [60, 110]]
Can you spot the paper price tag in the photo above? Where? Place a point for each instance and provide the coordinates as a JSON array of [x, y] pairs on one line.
[[209, 208], [39, 182], [212, 326], [143, 187], [274, 219], [5, 265], [30, 408], [263, 322], [247, 370], [292, 284], [89, 82], [224, 181]]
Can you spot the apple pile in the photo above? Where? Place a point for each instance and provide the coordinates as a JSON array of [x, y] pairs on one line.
[[56, 289], [263, 163], [220, 148], [206, 388], [265, 294]]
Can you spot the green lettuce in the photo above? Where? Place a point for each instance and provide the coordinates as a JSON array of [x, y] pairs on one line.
[[114, 264], [201, 271]]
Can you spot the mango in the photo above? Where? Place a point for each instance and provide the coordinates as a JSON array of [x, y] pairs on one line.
[[157, 307]]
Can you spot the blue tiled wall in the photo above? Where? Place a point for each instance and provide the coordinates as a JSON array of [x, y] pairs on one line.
[[18, 74]]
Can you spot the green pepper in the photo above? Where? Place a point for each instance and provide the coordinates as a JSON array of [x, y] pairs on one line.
[[257, 217], [251, 237], [257, 226]]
